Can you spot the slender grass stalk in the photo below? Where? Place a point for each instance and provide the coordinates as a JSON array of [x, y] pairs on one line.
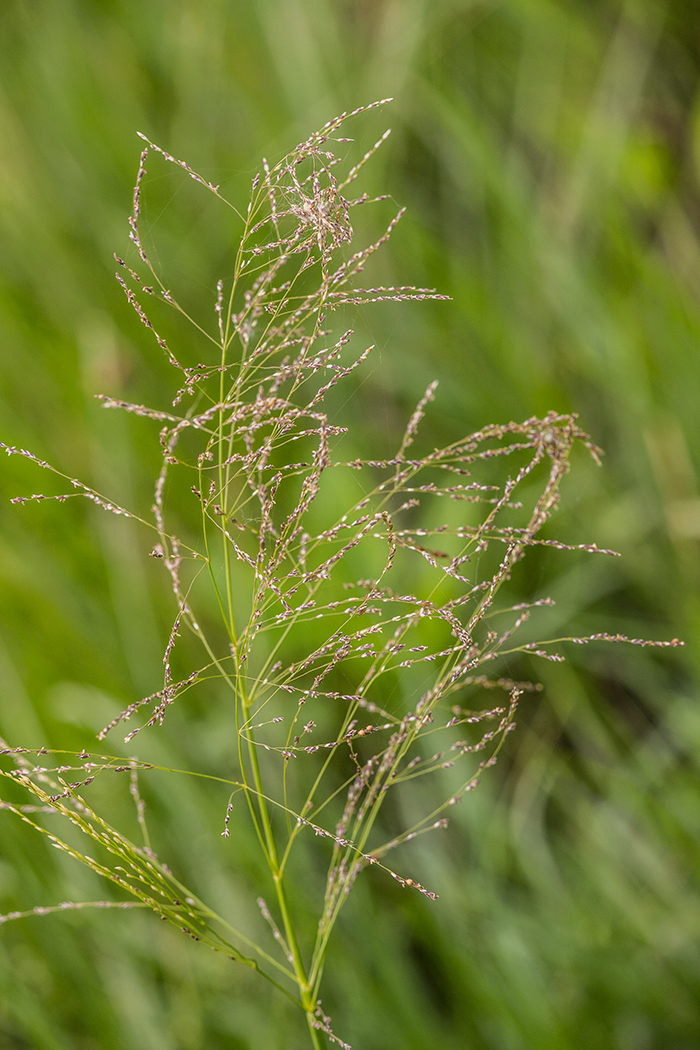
[[353, 645]]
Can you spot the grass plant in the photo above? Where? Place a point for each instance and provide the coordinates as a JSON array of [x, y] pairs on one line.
[[354, 647]]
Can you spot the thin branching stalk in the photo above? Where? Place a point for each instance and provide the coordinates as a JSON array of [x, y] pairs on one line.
[[339, 685]]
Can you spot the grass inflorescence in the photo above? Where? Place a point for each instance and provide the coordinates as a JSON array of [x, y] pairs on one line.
[[356, 647]]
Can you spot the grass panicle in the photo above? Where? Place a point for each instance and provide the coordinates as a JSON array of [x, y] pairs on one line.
[[353, 646]]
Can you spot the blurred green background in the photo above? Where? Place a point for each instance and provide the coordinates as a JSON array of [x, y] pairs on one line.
[[549, 156]]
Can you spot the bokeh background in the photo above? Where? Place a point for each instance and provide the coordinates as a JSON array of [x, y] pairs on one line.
[[548, 152]]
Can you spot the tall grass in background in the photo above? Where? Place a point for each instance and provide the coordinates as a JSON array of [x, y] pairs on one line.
[[547, 154]]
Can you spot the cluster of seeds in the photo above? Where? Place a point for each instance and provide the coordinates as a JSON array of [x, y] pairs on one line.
[[343, 685]]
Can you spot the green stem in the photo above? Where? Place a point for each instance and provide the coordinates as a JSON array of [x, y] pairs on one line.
[[306, 989], [317, 1040]]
